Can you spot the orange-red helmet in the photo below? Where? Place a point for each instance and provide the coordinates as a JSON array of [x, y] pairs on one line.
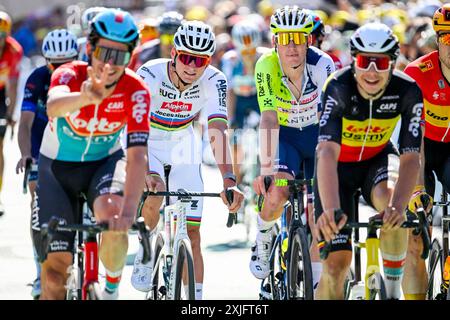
[[441, 18]]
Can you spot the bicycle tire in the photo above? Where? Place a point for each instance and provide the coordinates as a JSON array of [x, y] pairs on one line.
[[184, 255], [274, 282], [379, 293], [158, 290], [93, 291], [299, 271], [435, 267]]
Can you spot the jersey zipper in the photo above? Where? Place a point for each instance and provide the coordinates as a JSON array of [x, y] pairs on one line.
[[90, 134], [367, 131]]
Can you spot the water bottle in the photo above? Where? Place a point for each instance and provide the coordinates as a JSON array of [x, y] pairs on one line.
[[358, 291], [284, 241]]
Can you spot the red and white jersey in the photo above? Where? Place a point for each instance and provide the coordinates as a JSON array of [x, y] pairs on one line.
[[10, 61]]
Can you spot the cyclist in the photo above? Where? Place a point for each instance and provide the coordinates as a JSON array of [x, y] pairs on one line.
[[238, 66], [58, 47], [317, 36], [289, 79], [10, 56], [86, 19], [181, 87], [432, 74], [362, 104], [158, 48], [88, 106]]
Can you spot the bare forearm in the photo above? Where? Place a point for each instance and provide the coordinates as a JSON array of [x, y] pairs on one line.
[[12, 95], [24, 139], [328, 181], [421, 176], [220, 146], [135, 180], [409, 168], [269, 132], [59, 104]]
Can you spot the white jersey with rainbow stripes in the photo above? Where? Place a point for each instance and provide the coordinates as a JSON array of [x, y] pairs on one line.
[[172, 111]]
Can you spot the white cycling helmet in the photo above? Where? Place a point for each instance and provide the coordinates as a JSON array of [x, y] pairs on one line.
[[88, 15], [246, 35], [291, 19], [195, 37], [374, 37], [60, 44]]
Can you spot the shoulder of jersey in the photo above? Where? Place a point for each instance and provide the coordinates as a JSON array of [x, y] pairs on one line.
[[268, 57], [426, 63], [341, 76], [212, 73], [14, 45], [403, 76], [314, 55], [153, 67]]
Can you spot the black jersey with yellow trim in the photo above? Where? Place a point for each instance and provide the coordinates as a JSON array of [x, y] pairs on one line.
[[364, 127]]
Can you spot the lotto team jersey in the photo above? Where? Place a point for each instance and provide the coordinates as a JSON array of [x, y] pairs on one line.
[[274, 94], [363, 127], [92, 132], [10, 61], [436, 95], [172, 110]]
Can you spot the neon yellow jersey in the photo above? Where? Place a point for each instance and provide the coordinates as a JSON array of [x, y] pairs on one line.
[[274, 94]]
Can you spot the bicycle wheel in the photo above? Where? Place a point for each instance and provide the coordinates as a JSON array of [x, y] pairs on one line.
[[377, 291], [93, 291], [273, 288], [300, 284], [159, 289], [435, 267], [184, 258]]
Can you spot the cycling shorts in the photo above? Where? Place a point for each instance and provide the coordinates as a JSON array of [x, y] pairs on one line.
[[60, 187], [296, 151], [364, 175], [3, 109], [437, 160], [184, 153]]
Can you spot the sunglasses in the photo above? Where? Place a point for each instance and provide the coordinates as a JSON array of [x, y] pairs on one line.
[[284, 38], [444, 39], [363, 62], [166, 39], [112, 56], [187, 58]]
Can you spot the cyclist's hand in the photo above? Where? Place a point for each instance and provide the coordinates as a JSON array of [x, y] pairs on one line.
[[94, 89], [20, 167], [259, 187], [238, 197], [392, 219], [154, 183], [420, 199], [326, 226], [120, 223]]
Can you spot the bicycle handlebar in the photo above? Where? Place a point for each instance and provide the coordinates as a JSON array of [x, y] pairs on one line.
[[28, 163], [53, 226], [181, 194], [420, 226]]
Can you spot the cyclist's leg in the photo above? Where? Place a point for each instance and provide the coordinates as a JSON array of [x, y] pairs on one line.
[[105, 198], [377, 191], [2, 135], [335, 268], [54, 270]]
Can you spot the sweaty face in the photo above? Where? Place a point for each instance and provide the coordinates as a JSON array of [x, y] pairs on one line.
[[370, 74], [115, 71]]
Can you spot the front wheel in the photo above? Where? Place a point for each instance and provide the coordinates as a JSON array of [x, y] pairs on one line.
[[185, 262], [300, 284], [93, 291], [377, 291], [435, 268], [159, 290]]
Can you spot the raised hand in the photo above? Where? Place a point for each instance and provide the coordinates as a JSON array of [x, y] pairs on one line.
[[94, 89]]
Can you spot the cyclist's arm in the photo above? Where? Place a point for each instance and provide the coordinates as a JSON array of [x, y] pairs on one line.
[[269, 130], [24, 138], [329, 144], [269, 126], [409, 146], [12, 95], [218, 124], [135, 179]]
